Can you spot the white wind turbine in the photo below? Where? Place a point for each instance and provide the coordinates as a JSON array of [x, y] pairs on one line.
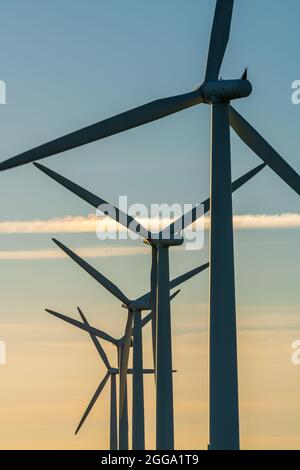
[[112, 372], [134, 308]]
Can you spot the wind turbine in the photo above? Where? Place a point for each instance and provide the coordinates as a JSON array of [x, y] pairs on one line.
[[119, 344], [160, 301], [134, 307], [224, 416], [212, 89], [171, 231], [112, 373]]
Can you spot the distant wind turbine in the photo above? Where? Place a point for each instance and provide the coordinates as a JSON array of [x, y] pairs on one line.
[[112, 372], [134, 307]]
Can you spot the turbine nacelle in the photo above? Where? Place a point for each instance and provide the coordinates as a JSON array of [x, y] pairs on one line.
[[159, 242], [135, 305], [225, 90]]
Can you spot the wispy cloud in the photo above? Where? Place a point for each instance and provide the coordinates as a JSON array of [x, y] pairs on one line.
[[69, 224], [267, 221], [92, 223]]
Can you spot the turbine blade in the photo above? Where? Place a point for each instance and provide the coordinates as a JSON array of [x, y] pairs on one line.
[[146, 319], [219, 38], [174, 294], [247, 177], [184, 277], [174, 283], [125, 359], [145, 298], [95, 340], [82, 326], [245, 74], [194, 214], [122, 122], [93, 401], [108, 209], [144, 322], [264, 150], [106, 283]]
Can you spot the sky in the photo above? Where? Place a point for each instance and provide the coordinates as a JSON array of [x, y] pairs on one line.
[[68, 64]]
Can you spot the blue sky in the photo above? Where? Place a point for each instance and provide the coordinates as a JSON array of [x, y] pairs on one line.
[[68, 64]]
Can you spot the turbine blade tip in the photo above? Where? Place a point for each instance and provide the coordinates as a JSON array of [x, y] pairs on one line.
[[57, 242]]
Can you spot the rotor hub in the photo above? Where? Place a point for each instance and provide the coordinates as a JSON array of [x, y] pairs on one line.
[[135, 305]]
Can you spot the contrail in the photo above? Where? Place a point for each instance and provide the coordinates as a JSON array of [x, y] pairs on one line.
[[91, 223]]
